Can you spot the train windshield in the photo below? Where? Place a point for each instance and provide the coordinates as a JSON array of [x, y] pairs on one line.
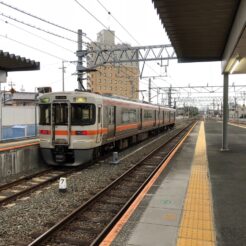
[[44, 116], [83, 114]]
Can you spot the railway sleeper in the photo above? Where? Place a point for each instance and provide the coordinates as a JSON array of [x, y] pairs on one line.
[[70, 241], [120, 203], [111, 210]]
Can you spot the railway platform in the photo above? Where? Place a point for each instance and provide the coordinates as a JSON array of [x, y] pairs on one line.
[[18, 158], [197, 199], [16, 144]]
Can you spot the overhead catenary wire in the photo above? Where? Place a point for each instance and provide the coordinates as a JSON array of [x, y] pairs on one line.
[[24, 30], [31, 47], [100, 22], [117, 21], [93, 16], [38, 28], [38, 18]]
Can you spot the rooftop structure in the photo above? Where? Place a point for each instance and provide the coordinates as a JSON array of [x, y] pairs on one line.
[[11, 63]]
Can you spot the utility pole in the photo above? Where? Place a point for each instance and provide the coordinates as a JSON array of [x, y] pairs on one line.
[[80, 62], [158, 90], [170, 96], [236, 112], [11, 84], [150, 90], [63, 75], [162, 98], [213, 108]]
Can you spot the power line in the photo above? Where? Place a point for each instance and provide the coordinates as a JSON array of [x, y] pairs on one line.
[[109, 13], [34, 48], [125, 29], [36, 17], [93, 16], [38, 28], [6, 22]]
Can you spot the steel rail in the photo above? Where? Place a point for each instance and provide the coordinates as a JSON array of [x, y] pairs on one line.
[[46, 235], [34, 187], [111, 224], [26, 178]]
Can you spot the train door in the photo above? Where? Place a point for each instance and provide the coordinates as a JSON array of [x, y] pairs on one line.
[[155, 118], [99, 124], [111, 121], [61, 122], [140, 119]]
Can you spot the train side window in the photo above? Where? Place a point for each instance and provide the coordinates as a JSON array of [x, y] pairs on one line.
[[129, 115], [147, 114], [125, 116], [132, 115]]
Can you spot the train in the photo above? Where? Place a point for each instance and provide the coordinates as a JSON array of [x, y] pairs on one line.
[[76, 127]]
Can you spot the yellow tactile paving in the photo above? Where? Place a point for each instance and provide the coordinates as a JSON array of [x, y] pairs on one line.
[[197, 227]]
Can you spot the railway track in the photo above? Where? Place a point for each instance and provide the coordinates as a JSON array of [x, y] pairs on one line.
[[16, 189], [90, 223], [23, 186]]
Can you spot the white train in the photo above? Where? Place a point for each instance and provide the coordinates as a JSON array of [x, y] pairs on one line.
[[75, 127]]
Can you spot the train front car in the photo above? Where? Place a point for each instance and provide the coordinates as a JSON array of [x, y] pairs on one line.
[[70, 127]]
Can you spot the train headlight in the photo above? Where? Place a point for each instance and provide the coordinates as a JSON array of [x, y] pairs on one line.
[[45, 100], [80, 99]]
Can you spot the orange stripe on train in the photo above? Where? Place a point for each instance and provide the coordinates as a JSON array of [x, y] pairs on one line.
[[126, 127]]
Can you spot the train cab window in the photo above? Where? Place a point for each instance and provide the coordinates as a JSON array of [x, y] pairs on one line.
[[60, 113], [82, 114], [44, 116]]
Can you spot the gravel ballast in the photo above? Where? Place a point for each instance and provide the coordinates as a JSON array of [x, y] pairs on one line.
[[30, 216]]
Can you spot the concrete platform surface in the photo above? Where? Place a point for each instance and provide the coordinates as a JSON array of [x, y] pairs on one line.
[[197, 200], [228, 179]]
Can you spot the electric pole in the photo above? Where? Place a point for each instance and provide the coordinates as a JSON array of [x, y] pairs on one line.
[[158, 90], [150, 90], [170, 96], [63, 75], [80, 61]]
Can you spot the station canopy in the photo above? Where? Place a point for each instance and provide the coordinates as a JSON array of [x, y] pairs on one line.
[[201, 30], [11, 63]]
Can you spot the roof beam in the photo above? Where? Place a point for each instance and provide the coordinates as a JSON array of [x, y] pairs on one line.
[[236, 33]]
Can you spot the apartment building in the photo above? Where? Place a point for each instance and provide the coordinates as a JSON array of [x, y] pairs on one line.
[[121, 79]]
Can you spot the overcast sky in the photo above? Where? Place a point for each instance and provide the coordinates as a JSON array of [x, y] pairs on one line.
[[138, 16]]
